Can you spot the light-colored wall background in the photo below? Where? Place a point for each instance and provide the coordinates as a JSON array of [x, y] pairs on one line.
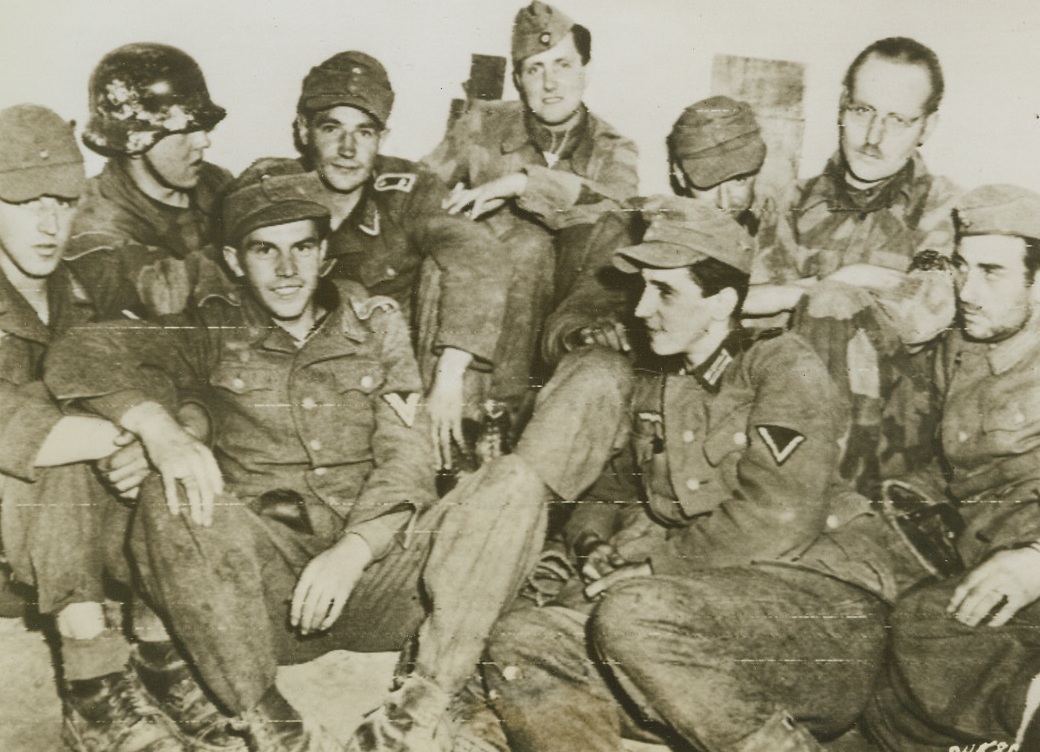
[[650, 59]]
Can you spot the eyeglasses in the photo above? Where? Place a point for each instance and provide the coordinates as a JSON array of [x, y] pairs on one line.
[[864, 115]]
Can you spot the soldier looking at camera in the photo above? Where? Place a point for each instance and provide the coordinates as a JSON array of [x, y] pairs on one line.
[[329, 532], [531, 169]]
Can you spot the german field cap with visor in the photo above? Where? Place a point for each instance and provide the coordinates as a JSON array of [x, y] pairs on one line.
[[267, 200], [715, 140], [998, 210], [351, 79], [682, 232], [38, 155], [536, 28]]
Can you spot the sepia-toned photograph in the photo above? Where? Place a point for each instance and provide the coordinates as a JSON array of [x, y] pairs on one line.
[[570, 376]]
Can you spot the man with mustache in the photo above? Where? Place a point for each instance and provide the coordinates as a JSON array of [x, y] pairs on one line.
[[715, 151], [530, 170], [156, 200], [849, 256]]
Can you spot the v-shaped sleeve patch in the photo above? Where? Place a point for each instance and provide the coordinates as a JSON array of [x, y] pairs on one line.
[[405, 404], [780, 441]]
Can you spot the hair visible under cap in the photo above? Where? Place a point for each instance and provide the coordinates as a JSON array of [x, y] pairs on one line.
[[908, 51], [714, 276]]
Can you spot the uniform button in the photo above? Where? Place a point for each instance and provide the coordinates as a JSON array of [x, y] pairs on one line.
[[367, 382], [391, 272], [962, 437], [832, 521], [692, 484], [1020, 418], [314, 444], [740, 438], [320, 471], [308, 403], [238, 383], [687, 436]]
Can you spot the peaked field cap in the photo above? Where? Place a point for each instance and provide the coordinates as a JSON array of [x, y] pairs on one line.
[[536, 28], [266, 200], [717, 139], [684, 231], [38, 155], [349, 78], [999, 210]]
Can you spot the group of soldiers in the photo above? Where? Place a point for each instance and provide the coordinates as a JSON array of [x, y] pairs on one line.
[[226, 401]]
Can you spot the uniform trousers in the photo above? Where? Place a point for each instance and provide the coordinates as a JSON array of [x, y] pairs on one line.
[[63, 534], [708, 659], [949, 684], [225, 590]]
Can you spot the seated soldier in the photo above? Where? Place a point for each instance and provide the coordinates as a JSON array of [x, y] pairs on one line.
[[966, 654], [715, 151], [390, 233], [329, 535], [61, 529], [859, 254], [708, 632], [156, 200], [530, 170]]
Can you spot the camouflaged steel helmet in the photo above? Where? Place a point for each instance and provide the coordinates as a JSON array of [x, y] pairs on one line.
[[140, 93]]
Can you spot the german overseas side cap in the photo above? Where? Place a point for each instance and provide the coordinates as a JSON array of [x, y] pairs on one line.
[[38, 155], [536, 28], [349, 78], [715, 140], [683, 231], [263, 200], [999, 210]]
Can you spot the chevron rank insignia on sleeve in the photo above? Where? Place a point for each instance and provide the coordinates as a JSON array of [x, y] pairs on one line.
[[405, 404], [780, 441], [395, 181]]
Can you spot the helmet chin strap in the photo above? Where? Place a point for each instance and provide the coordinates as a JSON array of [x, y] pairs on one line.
[[151, 182]]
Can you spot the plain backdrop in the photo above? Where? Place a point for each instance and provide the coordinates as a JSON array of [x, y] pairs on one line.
[[651, 58]]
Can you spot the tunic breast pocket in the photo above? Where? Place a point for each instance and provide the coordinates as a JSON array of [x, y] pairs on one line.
[[727, 439], [356, 385], [1012, 422], [245, 383]]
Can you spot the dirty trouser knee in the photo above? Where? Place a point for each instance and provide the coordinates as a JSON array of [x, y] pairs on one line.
[[62, 533], [716, 655], [950, 684], [549, 693], [580, 420]]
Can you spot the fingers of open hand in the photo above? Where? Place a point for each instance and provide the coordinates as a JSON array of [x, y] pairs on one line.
[[997, 589], [320, 597], [192, 468]]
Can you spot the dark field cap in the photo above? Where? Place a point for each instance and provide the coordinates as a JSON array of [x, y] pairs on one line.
[[536, 28], [268, 200], [684, 232], [999, 210], [351, 79], [38, 155], [715, 140]]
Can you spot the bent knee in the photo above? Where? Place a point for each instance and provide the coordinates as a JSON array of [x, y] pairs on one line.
[[597, 368]]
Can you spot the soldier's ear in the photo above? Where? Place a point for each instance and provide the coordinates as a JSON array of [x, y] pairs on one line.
[[724, 304], [231, 259], [300, 126], [930, 122], [383, 134]]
